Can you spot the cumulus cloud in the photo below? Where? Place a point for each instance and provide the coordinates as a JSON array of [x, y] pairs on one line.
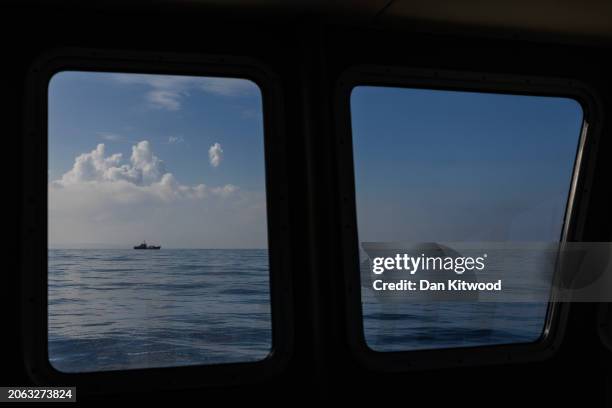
[[106, 199], [215, 155], [143, 178], [167, 92]]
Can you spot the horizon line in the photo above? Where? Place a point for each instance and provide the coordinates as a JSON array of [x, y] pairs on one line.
[[130, 247]]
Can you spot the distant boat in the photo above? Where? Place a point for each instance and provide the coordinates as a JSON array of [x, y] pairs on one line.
[[145, 246]]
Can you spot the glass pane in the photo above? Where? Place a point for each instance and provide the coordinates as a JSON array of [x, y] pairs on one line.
[[440, 168], [157, 222]]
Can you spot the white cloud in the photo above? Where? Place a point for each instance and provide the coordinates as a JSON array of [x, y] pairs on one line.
[[167, 92], [215, 155], [104, 199], [144, 178]]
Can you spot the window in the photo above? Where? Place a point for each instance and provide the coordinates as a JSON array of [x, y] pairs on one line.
[[444, 168], [157, 227]]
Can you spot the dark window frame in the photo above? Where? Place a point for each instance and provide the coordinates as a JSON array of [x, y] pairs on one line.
[[574, 220], [604, 320], [34, 225]]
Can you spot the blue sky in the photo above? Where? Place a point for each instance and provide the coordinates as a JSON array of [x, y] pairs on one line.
[[459, 166], [429, 165], [90, 108], [102, 200]]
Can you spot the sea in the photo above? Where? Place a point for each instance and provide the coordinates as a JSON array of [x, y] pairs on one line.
[[121, 309], [125, 309]]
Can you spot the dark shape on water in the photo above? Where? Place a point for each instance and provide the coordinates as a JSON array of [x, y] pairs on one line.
[[145, 246]]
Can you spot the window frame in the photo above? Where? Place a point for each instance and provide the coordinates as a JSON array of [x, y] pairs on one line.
[[574, 219], [35, 221], [604, 320]]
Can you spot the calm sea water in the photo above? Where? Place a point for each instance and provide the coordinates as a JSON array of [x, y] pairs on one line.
[[122, 309], [119, 309]]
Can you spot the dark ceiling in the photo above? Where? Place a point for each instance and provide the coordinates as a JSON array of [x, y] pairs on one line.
[[584, 18], [572, 19]]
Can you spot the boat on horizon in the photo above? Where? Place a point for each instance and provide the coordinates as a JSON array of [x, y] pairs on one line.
[[145, 246]]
